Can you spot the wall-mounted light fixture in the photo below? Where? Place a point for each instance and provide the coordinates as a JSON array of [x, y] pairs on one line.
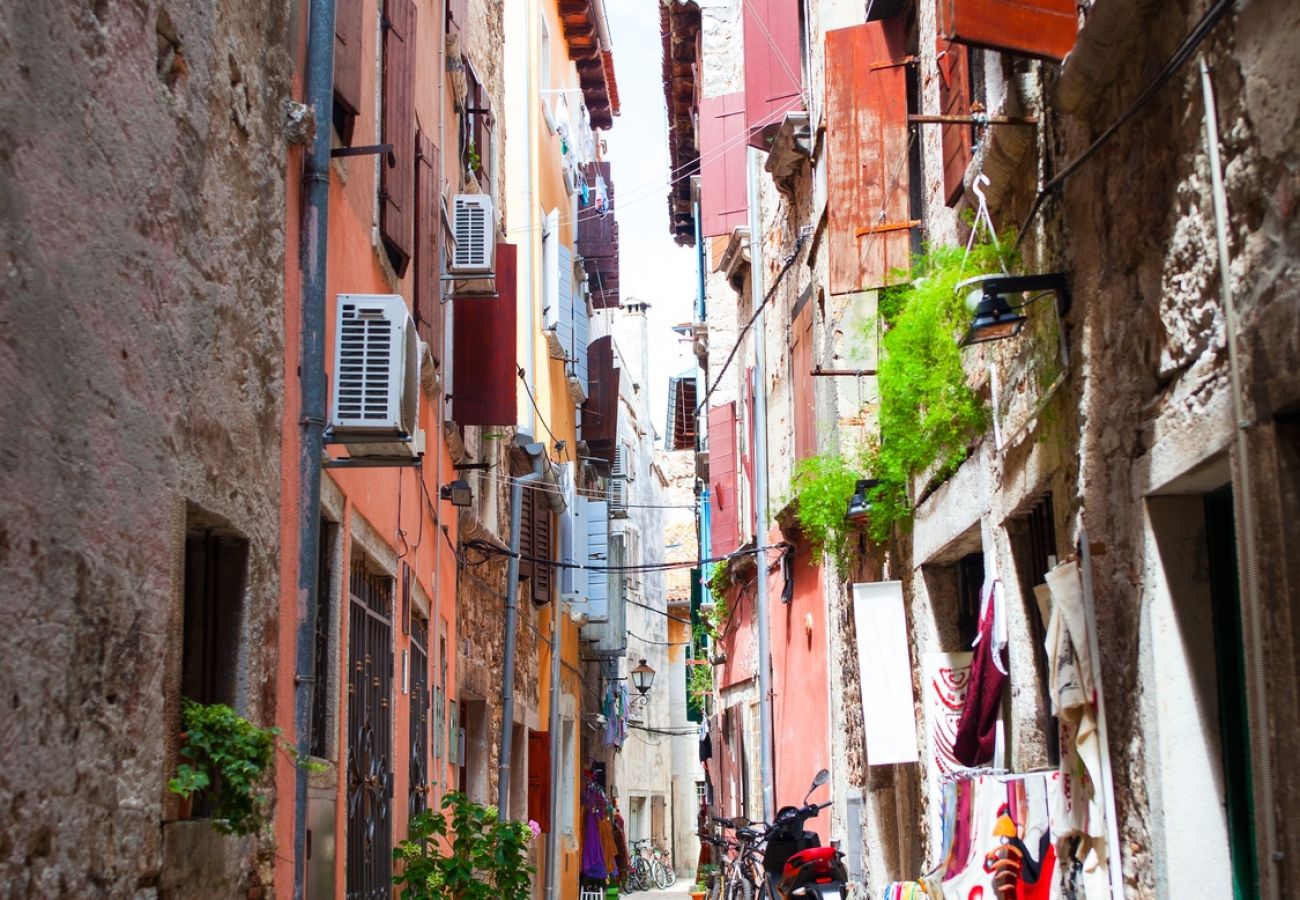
[[991, 298], [643, 676], [860, 502], [458, 492]]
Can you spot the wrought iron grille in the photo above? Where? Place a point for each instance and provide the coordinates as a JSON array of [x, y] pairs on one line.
[[418, 801], [370, 735], [321, 665]]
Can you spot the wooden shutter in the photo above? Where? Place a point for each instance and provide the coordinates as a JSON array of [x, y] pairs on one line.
[[397, 182], [543, 573], [867, 155], [483, 350], [527, 510], [724, 525], [954, 100], [457, 12], [1041, 28], [539, 778], [724, 201], [801, 363], [348, 40], [773, 66], [428, 250]]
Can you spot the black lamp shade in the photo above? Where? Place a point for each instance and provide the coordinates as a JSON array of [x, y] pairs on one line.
[[994, 320], [860, 502], [458, 492]]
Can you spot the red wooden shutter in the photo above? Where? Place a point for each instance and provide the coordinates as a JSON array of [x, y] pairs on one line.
[[457, 12], [773, 66], [867, 150], [954, 100], [483, 350], [723, 532], [428, 231], [1042, 28], [801, 363], [539, 778], [397, 182], [348, 32], [724, 201], [747, 457]]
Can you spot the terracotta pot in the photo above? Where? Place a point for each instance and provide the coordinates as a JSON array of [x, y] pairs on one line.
[[699, 895]]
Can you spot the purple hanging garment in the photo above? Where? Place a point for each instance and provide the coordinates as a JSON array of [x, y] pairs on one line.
[[977, 729]]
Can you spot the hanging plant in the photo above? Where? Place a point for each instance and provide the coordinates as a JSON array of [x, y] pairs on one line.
[[823, 485], [226, 760], [928, 411]]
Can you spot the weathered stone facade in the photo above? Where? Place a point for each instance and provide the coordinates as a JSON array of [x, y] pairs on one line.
[[142, 170]]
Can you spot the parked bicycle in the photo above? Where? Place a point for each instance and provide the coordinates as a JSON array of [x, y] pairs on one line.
[[661, 869]]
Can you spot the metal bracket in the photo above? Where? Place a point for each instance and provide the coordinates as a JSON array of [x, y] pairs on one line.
[[369, 150], [888, 226], [375, 462]]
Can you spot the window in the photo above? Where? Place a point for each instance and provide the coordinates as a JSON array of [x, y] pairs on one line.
[[1033, 543], [215, 566], [327, 579], [476, 129], [535, 542], [348, 31], [803, 394], [970, 578]]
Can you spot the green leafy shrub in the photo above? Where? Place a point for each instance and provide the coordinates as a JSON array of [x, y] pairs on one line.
[[928, 411], [226, 761], [463, 853], [823, 485], [699, 682]]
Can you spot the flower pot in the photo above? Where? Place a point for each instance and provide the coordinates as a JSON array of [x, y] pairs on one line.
[[699, 895]]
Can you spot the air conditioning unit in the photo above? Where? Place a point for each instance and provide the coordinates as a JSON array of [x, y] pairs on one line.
[[620, 468], [473, 231], [617, 498], [376, 377]]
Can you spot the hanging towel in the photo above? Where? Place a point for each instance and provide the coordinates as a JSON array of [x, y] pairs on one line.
[[977, 729]]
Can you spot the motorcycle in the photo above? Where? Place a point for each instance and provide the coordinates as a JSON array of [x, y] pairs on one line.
[[795, 864]]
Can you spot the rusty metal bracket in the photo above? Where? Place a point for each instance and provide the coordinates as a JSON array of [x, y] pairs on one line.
[[847, 373], [973, 120], [887, 227], [369, 150], [901, 61]]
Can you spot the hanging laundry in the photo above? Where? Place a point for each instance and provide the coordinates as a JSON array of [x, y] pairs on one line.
[[593, 852], [977, 729]]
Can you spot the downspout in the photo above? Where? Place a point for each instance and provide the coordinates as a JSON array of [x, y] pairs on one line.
[[767, 768], [312, 256], [537, 452], [554, 720], [435, 627], [701, 414], [1244, 491]]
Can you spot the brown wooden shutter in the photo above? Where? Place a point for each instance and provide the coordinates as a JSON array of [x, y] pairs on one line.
[[348, 40], [723, 517], [457, 12], [867, 155], [527, 531], [724, 200], [1042, 28], [539, 778], [954, 100], [773, 66], [397, 182], [428, 249], [543, 574], [484, 376], [801, 363]]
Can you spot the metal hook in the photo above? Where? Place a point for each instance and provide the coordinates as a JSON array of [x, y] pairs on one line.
[[979, 179]]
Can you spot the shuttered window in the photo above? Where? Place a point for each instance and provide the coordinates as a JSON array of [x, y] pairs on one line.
[[724, 202], [348, 31], [722, 475], [483, 353], [477, 127], [954, 100], [1041, 28], [428, 250], [397, 181], [802, 381], [539, 778], [773, 66], [867, 155], [535, 542]]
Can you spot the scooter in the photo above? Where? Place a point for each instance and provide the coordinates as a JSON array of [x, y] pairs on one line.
[[795, 859]]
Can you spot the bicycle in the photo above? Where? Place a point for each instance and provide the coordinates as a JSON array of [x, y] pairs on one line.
[[661, 868], [639, 874]]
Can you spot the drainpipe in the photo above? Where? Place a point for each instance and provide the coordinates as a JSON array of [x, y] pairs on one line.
[[537, 452], [1244, 491], [554, 720], [767, 767], [312, 252]]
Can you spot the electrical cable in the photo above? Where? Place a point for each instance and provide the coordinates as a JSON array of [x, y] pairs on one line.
[[1183, 53]]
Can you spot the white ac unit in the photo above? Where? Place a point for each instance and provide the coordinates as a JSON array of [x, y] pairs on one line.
[[376, 393], [617, 498], [619, 468], [472, 230]]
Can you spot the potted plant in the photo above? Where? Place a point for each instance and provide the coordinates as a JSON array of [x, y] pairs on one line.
[[226, 759], [464, 852]]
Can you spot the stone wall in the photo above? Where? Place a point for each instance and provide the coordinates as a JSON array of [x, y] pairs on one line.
[[142, 175]]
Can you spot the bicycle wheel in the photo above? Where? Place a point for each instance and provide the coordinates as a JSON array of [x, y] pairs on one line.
[[740, 889], [642, 866], [658, 875], [670, 872]]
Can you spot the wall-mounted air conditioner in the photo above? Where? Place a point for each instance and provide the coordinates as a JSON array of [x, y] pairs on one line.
[[376, 380], [473, 231]]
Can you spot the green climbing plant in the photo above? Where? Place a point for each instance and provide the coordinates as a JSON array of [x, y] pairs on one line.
[[928, 411], [464, 852], [823, 485], [226, 759]]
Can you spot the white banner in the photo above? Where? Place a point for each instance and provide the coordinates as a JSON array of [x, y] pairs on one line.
[[888, 709]]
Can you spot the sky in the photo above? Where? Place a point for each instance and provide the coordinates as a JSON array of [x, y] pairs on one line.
[[652, 268]]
